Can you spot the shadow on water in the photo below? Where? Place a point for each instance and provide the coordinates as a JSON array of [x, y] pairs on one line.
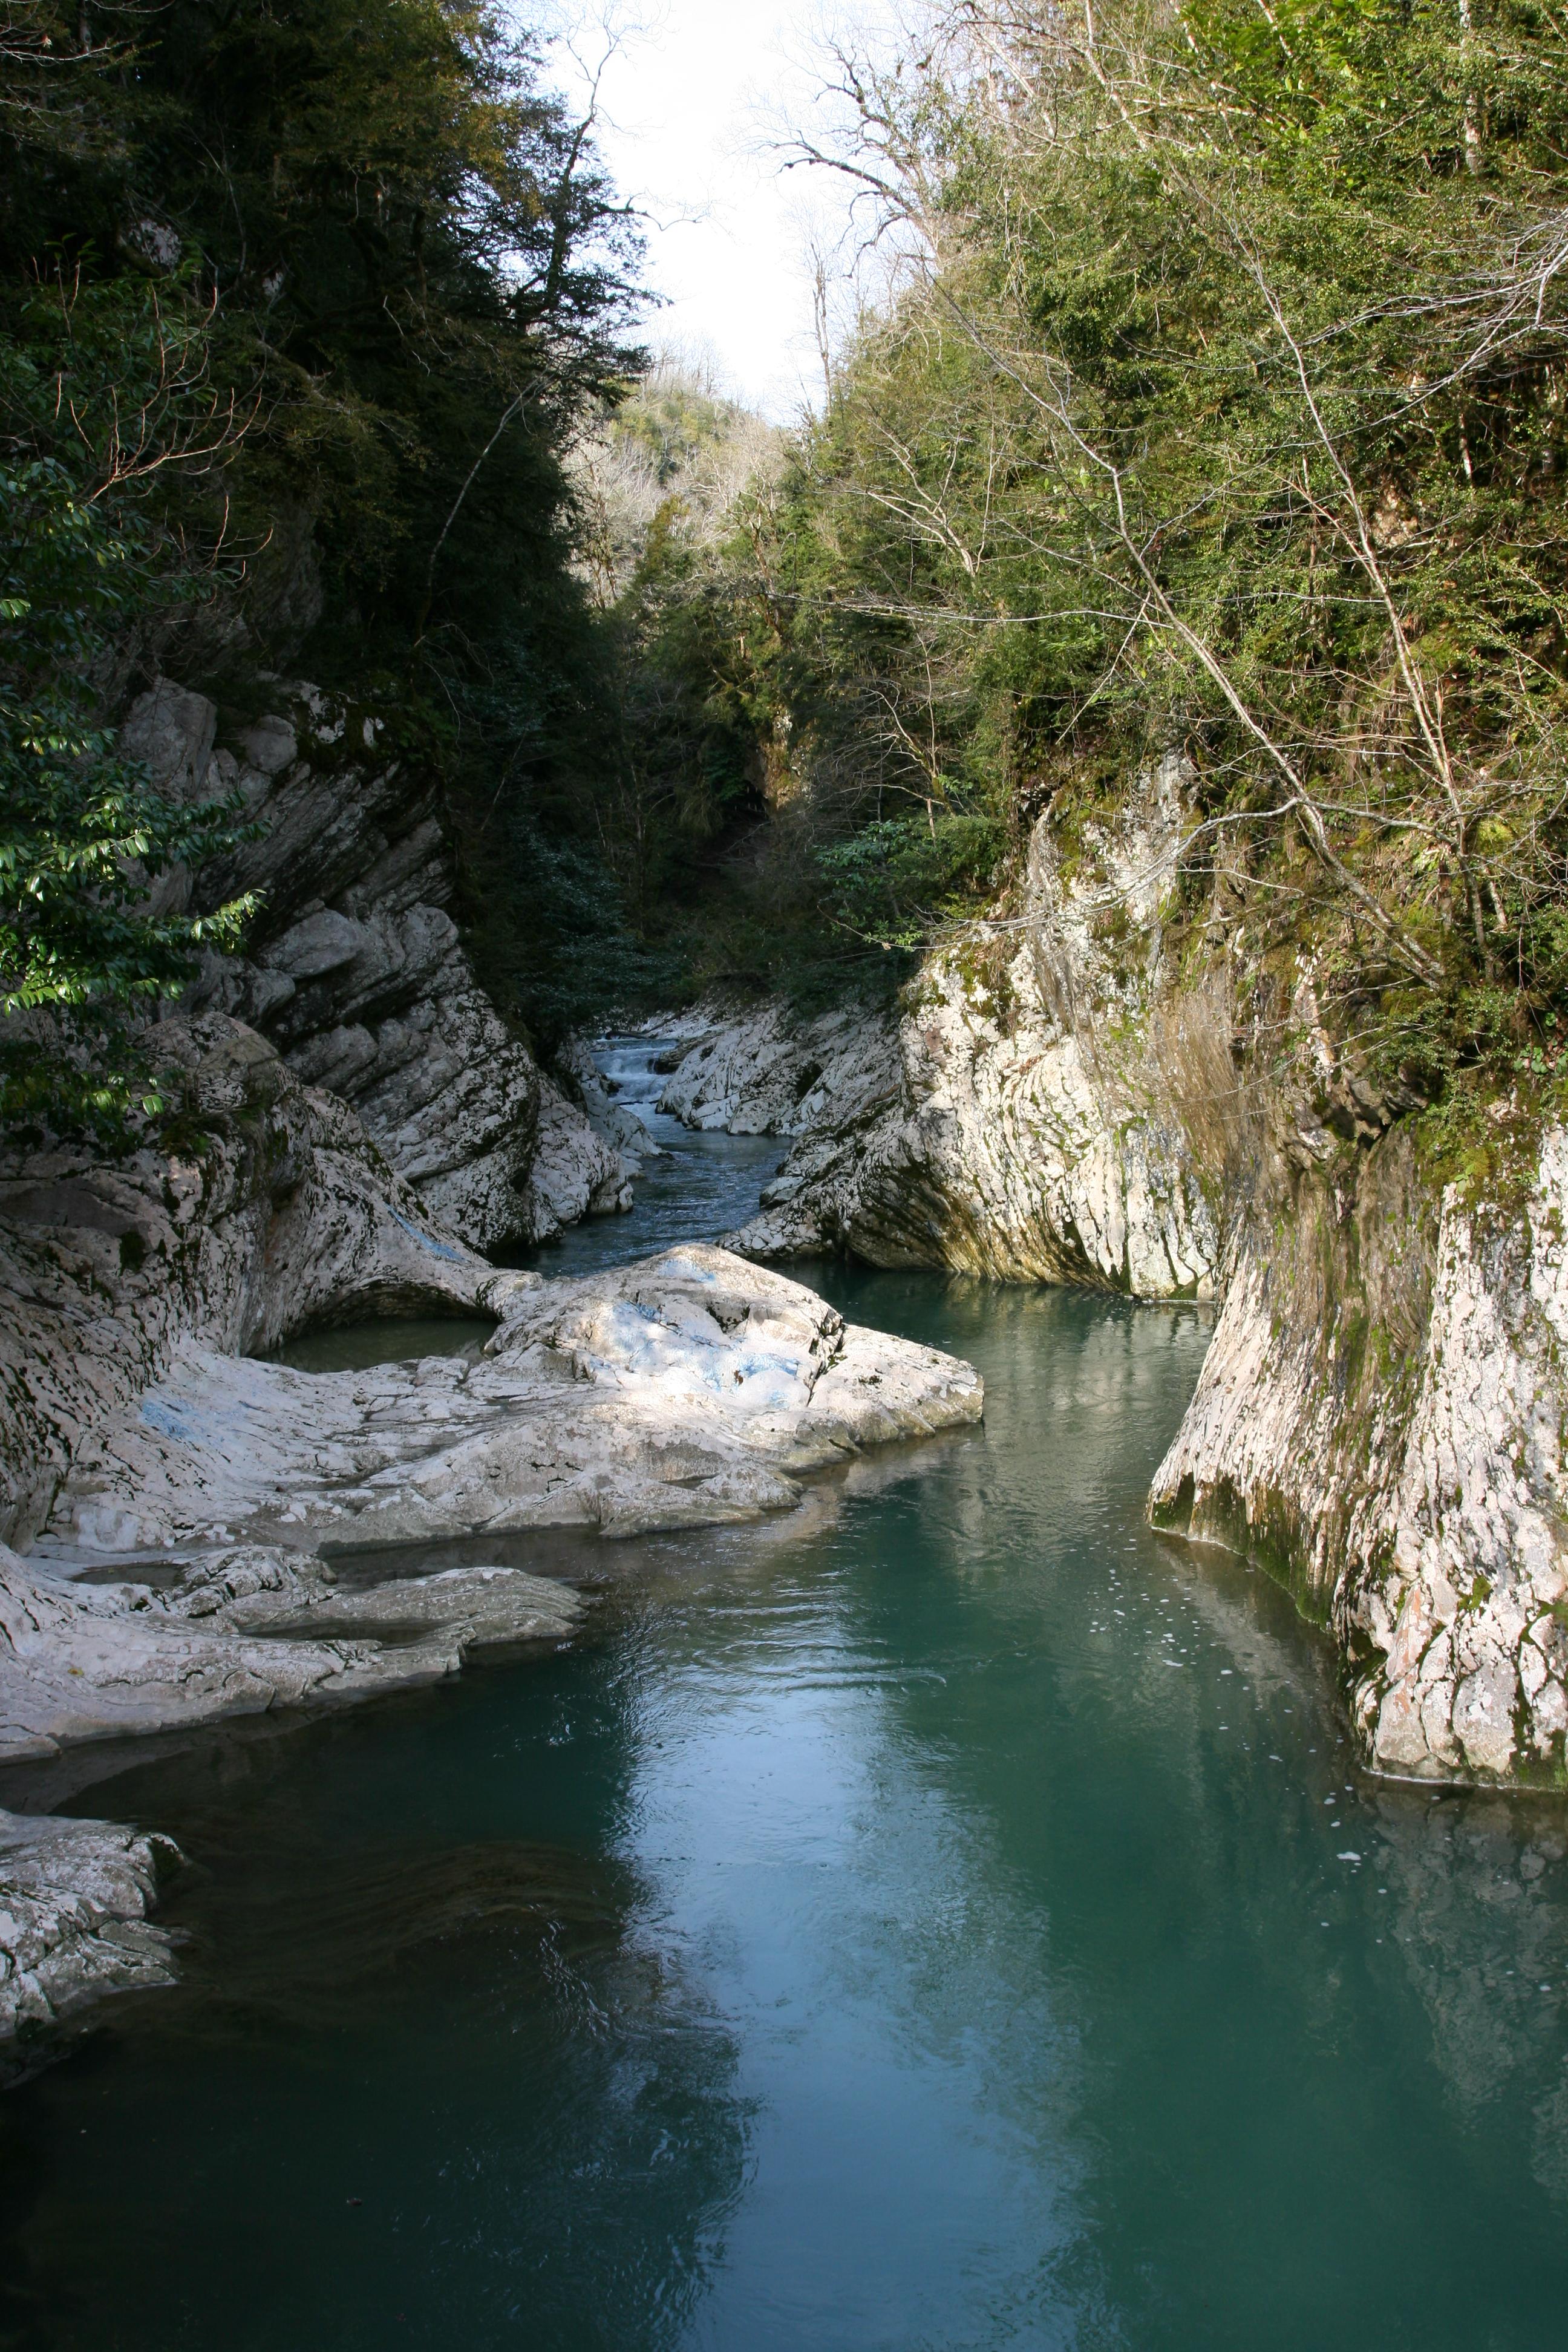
[[395, 2053], [943, 1919], [355, 1347]]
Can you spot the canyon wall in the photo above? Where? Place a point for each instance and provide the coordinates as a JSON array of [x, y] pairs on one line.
[[1015, 1113], [355, 968], [1380, 1422], [275, 1210]]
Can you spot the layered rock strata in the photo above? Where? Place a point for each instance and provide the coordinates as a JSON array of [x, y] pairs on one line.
[[137, 1425], [237, 1630], [1010, 1116], [354, 968], [1380, 1423], [277, 1211]]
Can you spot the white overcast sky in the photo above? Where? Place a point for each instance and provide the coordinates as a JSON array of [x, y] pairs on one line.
[[689, 100]]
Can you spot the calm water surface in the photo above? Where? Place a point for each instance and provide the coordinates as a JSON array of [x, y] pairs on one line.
[[947, 1918]]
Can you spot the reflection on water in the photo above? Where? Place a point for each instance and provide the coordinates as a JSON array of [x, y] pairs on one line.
[[946, 1918], [390, 1339]]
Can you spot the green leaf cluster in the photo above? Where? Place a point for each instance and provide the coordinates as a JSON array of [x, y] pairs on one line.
[[99, 387]]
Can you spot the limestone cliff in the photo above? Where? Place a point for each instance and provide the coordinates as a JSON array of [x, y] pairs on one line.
[[276, 1210], [1380, 1423], [1380, 1419], [355, 970], [1014, 1114]]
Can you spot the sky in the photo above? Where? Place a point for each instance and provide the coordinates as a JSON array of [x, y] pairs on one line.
[[690, 100]]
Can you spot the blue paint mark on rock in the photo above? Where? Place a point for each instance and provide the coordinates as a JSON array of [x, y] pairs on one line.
[[436, 1249]]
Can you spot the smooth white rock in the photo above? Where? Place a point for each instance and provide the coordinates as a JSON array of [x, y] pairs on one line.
[[1013, 1115], [74, 1898]]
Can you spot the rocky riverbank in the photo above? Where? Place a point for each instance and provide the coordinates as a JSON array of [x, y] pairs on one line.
[[74, 1899], [173, 1506], [1015, 1114], [1380, 1423]]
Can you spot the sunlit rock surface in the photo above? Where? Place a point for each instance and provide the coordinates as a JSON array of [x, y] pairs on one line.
[[143, 1439], [277, 1210], [1014, 1115], [685, 1390], [234, 1631]]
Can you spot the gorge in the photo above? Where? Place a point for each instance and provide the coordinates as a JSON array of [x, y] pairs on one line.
[[916, 1905], [784, 1205]]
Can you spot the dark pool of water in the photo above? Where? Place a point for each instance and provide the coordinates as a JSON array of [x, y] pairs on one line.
[[352, 1347], [947, 1918]]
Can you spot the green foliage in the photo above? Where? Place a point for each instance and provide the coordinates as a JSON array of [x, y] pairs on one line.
[[555, 942], [898, 877], [416, 284], [1226, 412], [94, 391]]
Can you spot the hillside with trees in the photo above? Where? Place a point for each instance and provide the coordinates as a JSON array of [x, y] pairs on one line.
[[1220, 408]]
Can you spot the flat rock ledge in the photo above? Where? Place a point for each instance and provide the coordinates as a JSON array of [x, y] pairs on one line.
[[241, 1630], [74, 1898], [689, 1390]]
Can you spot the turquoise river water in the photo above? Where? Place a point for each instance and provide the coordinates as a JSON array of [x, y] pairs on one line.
[[946, 1920]]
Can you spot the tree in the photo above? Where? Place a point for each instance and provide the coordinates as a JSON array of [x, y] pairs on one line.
[[1221, 404], [417, 287], [101, 390]]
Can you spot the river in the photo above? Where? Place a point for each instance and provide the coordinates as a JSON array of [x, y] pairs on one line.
[[945, 1920]]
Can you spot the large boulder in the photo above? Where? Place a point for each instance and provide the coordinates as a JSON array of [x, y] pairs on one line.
[[688, 1390]]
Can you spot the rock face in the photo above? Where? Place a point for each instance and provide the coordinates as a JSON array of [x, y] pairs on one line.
[[74, 1897], [141, 1442], [1380, 1422], [135, 1424], [279, 1211], [1013, 1115], [354, 968]]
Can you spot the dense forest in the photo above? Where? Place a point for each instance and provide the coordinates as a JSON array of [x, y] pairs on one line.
[[1218, 406]]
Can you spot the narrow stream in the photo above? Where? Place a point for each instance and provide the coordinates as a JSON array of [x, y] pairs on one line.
[[946, 1920]]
